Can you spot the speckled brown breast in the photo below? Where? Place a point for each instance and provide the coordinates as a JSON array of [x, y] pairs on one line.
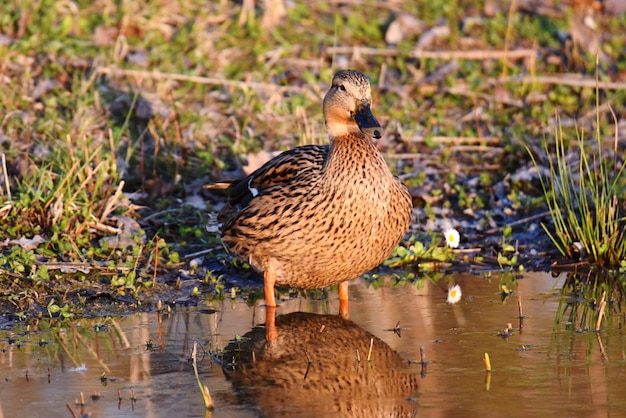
[[342, 217]]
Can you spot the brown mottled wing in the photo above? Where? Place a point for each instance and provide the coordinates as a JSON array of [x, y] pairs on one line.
[[279, 170]]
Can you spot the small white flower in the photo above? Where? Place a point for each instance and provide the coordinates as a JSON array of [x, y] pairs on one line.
[[454, 294], [452, 237]]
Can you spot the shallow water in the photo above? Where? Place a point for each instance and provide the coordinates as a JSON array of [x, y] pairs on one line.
[[541, 369]]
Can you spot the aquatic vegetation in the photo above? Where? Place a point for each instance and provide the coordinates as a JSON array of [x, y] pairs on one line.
[[507, 259], [206, 394], [415, 251], [487, 362], [588, 300], [584, 195], [54, 310], [590, 305]]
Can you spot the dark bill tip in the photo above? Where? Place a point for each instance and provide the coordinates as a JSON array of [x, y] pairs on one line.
[[367, 122]]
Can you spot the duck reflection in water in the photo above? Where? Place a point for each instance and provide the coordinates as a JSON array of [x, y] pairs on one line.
[[318, 366]]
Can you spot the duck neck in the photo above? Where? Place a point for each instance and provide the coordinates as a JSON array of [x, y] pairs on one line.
[[354, 153]]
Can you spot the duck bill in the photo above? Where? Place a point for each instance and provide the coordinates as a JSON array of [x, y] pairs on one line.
[[367, 122]]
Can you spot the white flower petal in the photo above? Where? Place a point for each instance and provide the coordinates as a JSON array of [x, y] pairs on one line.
[[454, 294], [452, 237]]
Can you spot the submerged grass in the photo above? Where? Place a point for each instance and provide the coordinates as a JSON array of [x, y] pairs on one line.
[[590, 303]]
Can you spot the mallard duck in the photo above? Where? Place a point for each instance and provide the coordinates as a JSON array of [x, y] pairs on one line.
[[321, 215]]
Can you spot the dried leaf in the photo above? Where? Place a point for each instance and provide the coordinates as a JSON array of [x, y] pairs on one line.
[[104, 36], [25, 243]]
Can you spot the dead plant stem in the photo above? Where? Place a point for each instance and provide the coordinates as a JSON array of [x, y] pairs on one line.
[[422, 355], [521, 313], [569, 80], [111, 203], [601, 313], [507, 37], [455, 140], [158, 75], [71, 410], [519, 222], [5, 173], [442, 55]]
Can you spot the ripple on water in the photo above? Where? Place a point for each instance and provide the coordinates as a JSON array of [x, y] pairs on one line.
[[539, 367]]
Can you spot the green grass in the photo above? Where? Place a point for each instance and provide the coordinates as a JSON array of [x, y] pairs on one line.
[[78, 138], [585, 198]]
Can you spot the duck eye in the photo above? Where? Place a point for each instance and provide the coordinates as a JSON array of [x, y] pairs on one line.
[[341, 87]]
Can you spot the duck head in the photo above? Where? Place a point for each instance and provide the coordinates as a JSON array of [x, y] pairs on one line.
[[347, 106]]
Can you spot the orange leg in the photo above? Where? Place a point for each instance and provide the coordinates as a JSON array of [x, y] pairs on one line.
[[343, 300], [269, 279], [271, 332]]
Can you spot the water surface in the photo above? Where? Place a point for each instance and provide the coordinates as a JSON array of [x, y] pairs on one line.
[[543, 368]]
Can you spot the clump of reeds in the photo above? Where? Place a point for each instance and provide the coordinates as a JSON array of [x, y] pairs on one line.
[[584, 197]]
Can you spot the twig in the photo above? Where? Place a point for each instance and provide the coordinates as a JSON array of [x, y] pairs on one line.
[[603, 355], [155, 214], [466, 250], [568, 80], [455, 140], [521, 313], [417, 155], [487, 97], [309, 363], [5, 173], [107, 229], [158, 75], [601, 313], [519, 222], [201, 252], [442, 55], [557, 266], [68, 267], [476, 148], [156, 258], [423, 362], [71, 410]]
